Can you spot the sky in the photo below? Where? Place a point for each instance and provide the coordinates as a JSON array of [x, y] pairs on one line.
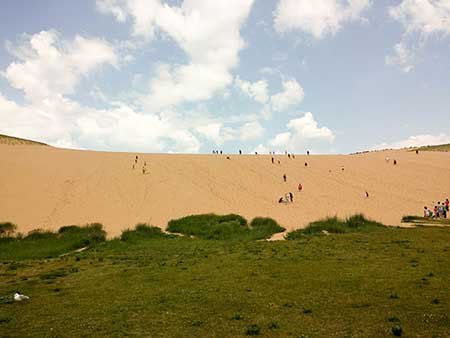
[[192, 76]]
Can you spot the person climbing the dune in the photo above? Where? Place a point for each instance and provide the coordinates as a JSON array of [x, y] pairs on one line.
[[300, 187], [284, 177], [272, 160], [291, 196]]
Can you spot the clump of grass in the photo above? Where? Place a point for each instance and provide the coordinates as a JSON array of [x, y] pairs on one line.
[[45, 244], [356, 223], [425, 220], [224, 227], [7, 229], [253, 330], [236, 316], [142, 231], [397, 331]]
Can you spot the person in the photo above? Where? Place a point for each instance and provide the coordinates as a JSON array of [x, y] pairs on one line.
[[143, 170], [446, 204], [300, 187], [440, 209], [293, 156], [291, 196], [444, 211], [240, 152], [395, 162], [417, 152], [279, 162], [307, 152], [425, 211], [289, 155], [306, 164], [436, 214], [280, 200], [272, 160], [367, 194], [221, 152], [136, 159], [256, 153], [284, 177]]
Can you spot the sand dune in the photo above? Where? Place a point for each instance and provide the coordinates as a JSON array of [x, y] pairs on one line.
[[44, 187]]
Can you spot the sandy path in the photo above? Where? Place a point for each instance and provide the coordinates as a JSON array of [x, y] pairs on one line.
[[43, 187]]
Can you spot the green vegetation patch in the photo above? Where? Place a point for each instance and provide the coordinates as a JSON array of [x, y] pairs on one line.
[[356, 223], [440, 147], [226, 227], [46, 244], [143, 231], [425, 220], [7, 229]]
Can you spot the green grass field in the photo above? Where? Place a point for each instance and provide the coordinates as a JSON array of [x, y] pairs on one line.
[[425, 220], [366, 282]]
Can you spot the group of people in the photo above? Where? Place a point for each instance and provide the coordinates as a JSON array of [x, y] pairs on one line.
[[144, 167], [439, 211]]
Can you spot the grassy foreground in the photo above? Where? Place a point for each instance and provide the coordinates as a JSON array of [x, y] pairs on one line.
[[378, 283]]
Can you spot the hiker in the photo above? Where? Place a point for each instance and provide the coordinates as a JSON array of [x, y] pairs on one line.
[[444, 211], [284, 177], [291, 197], [280, 200], [240, 152], [293, 156], [272, 160], [136, 159], [436, 214], [395, 162], [279, 162], [446, 204], [289, 156], [143, 170], [300, 187], [221, 152], [307, 152], [440, 209], [256, 153], [417, 152], [425, 211], [306, 164], [367, 194]]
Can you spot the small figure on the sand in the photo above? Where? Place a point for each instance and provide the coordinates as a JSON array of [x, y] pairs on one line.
[[136, 159], [291, 197], [426, 212], [240, 152], [228, 158], [256, 153], [221, 152], [367, 194], [293, 156], [435, 212], [307, 152], [284, 177], [272, 160], [134, 165], [306, 164], [143, 170], [387, 159], [285, 152], [289, 156], [280, 200], [342, 168], [279, 162], [417, 151], [447, 204], [395, 162], [300, 187]]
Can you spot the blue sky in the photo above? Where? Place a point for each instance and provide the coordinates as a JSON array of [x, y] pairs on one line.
[[332, 76]]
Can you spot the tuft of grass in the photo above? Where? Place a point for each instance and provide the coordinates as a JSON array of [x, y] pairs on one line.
[[142, 231], [224, 227], [46, 244], [253, 330], [356, 223]]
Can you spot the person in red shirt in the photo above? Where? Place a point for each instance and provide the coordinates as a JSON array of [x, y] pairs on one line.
[[446, 204], [300, 187]]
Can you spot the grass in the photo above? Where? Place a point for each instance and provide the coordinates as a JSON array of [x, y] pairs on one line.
[[7, 229], [142, 231], [5, 139], [47, 244], [334, 225], [440, 147], [425, 220], [226, 227], [170, 286]]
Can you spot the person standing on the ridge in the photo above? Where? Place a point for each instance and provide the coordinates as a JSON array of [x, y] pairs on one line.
[[272, 160], [307, 152]]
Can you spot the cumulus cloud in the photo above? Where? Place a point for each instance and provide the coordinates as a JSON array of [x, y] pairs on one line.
[[207, 31], [302, 132], [319, 18], [292, 95], [251, 131], [256, 90], [216, 132], [51, 66], [415, 141], [420, 20]]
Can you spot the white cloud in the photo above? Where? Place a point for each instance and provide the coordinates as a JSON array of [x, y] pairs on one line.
[[256, 90], [420, 19], [415, 141], [292, 95], [207, 31], [51, 66], [318, 18], [302, 132], [215, 132], [251, 131]]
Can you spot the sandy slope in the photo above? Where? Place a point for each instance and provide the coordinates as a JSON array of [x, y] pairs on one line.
[[43, 187]]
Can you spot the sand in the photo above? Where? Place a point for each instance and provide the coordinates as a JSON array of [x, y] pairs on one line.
[[45, 187]]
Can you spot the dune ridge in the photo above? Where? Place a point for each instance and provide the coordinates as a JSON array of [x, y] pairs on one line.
[[46, 187]]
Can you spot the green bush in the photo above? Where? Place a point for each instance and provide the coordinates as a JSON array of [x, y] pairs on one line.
[[226, 227], [337, 226], [142, 231], [7, 229]]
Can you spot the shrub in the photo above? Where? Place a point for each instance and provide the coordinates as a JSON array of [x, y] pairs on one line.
[[142, 231], [337, 226], [7, 229], [253, 330], [263, 228]]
